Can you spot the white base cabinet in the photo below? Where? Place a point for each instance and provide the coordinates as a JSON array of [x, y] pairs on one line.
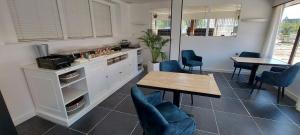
[[98, 79]]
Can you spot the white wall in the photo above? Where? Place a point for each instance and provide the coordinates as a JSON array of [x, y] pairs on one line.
[[15, 55], [216, 51]]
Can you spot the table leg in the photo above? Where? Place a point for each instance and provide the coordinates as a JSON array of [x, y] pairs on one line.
[[176, 98], [253, 74]]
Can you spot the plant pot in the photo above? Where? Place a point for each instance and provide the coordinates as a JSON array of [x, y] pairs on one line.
[[153, 66]]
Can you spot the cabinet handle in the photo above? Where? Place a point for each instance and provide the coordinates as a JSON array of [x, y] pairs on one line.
[[106, 76], [120, 72]]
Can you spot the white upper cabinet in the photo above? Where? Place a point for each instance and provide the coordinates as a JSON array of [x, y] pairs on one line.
[[35, 19], [102, 19], [77, 18]]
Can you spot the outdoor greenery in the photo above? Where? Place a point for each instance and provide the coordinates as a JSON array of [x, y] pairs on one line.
[[155, 44], [289, 26]]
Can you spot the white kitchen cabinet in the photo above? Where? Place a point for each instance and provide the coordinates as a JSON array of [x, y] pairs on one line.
[[97, 79]]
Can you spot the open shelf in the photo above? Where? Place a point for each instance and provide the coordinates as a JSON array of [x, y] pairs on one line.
[[63, 85], [71, 94]]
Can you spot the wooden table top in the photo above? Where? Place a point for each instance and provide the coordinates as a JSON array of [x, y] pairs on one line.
[[185, 83], [260, 61]]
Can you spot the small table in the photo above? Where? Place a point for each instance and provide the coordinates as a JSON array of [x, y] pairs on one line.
[[256, 62], [204, 85]]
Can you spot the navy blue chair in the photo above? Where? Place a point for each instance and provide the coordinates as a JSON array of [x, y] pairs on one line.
[[245, 65], [190, 59], [172, 66], [158, 118], [281, 79]]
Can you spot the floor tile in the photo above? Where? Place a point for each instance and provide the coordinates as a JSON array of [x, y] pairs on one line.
[[126, 106], [112, 101], [116, 124], [126, 89], [198, 132], [233, 124], [138, 130], [227, 93], [269, 127], [199, 101], [60, 130], [168, 96], [34, 126], [229, 105], [265, 110], [291, 112], [239, 84], [204, 118], [260, 96], [222, 83], [89, 121]]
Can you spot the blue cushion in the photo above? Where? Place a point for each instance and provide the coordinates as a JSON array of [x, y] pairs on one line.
[[171, 112], [160, 118]]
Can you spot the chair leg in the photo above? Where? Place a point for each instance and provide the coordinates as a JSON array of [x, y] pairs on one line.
[[260, 85], [282, 92], [278, 94], [192, 99], [239, 72], [183, 66], [200, 69], [254, 87], [163, 97], [233, 73]]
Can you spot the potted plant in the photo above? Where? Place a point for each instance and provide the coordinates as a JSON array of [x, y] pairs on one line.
[[155, 43]]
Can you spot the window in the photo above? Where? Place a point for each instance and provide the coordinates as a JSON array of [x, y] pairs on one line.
[[210, 17], [77, 18], [102, 19], [287, 41], [35, 19], [161, 22]]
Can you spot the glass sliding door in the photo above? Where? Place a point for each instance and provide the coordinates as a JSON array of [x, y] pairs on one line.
[[287, 40]]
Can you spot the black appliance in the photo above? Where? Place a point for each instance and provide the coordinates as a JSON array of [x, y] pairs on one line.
[[54, 62], [124, 44]]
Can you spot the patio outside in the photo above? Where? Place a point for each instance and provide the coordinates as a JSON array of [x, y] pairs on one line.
[[287, 34]]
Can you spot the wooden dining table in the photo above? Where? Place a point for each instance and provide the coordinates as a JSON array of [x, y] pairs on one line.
[[204, 85], [256, 62]]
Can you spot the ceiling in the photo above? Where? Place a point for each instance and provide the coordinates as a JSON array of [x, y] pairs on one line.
[[140, 1]]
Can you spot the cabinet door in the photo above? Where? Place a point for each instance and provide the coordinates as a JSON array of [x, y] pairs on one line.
[[114, 75], [97, 80], [133, 62]]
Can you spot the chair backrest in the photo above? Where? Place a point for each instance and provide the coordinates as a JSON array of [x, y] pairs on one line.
[[289, 75], [250, 54], [170, 66], [150, 118], [187, 55]]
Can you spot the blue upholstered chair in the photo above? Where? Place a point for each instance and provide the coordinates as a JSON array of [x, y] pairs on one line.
[[245, 65], [157, 118], [190, 59], [281, 78], [172, 66]]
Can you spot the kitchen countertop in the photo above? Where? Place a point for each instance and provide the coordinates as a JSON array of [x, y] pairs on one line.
[[76, 65]]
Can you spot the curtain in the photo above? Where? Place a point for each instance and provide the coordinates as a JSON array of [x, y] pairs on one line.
[[272, 32]]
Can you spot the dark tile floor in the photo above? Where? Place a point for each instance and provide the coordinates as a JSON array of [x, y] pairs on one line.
[[235, 113]]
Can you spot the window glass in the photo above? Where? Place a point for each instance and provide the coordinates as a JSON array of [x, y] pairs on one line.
[[210, 17], [287, 34]]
